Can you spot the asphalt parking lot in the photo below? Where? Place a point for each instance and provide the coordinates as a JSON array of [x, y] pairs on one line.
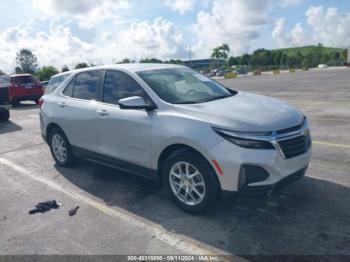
[[123, 214]]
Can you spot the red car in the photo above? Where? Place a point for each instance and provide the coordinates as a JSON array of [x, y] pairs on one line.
[[24, 87]]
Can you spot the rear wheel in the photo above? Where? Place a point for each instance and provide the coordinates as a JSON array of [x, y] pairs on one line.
[[60, 148], [190, 181], [5, 115]]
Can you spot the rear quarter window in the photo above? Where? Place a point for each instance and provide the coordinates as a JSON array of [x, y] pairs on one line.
[[54, 83]]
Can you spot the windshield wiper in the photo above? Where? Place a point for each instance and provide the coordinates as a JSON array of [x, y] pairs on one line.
[[204, 100], [187, 102], [213, 98]]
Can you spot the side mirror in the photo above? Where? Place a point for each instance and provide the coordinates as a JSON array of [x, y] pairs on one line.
[[135, 102]]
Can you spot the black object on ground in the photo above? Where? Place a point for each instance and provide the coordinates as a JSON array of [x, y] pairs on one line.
[[73, 211], [43, 207]]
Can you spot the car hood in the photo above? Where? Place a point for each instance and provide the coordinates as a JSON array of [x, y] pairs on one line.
[[245, 112]]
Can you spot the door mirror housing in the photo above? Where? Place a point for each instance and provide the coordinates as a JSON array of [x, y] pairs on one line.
[[135, 102]]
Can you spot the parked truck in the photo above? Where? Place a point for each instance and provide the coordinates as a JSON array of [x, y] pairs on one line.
[[4, 98]]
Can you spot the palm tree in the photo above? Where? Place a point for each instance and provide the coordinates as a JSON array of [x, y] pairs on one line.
[[220, 52]]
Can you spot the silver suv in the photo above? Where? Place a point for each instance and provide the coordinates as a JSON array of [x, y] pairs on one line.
[[172, 124]]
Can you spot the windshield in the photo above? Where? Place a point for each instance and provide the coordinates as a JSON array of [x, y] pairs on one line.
[[55, 82], [23, 79], [4, 81], [183, 86]]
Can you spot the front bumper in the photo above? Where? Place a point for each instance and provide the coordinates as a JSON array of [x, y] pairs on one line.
[[277, 186], [5, 107], [231, 158]]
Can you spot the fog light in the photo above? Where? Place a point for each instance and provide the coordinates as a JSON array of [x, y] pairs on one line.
[[242, 179], [255, 174]]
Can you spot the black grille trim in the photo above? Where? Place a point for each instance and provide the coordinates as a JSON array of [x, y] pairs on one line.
[[296, 146]]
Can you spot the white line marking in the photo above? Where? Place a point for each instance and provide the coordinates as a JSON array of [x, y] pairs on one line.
[[187, 245]]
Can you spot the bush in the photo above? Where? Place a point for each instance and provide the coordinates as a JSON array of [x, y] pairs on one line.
[[291, 70], [305, 69], [231, 75], [257, 72], [276, 71]]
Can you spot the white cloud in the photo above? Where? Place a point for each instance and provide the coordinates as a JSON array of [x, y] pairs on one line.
[[296, 37], [181, 6], [327, 26], [159, 38], [286, 3], [330, 26], [87, 12], [238, 27], [58, 46], [55, 47], [106, 37]]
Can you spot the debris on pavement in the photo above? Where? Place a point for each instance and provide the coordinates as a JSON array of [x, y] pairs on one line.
[[43, 207], [73, 211]]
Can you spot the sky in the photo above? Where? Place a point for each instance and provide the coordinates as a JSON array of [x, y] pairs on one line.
[[66, 32]]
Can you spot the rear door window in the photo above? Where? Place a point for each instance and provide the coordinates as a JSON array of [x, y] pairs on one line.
[[86, 85], [83, 86]]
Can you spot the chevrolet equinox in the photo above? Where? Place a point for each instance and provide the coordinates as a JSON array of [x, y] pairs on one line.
[[172, 124]]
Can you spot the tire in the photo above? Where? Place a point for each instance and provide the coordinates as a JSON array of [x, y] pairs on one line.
[[210, 190], [60, 148], [15, 103], [5, 115]]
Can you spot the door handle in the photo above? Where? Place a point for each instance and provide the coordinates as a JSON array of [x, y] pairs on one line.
[[102, 112], [63, 104]]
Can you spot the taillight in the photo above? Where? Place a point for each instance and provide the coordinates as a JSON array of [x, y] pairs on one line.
[[41, 102]]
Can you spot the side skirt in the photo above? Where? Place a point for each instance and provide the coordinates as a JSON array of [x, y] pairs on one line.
[[115, 163]]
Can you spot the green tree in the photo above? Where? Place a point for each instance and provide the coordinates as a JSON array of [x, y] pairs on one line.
[[244, 60], [65, 69], [81, 65], [174, 61], [344, 56], [125, 61], [26, 62], [151, 60], [261, 58], [45, 73], [233, 61], [220, 53]]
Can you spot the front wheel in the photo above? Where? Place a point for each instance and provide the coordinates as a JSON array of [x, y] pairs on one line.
[[60, 148], [5, 115], [190, 181]]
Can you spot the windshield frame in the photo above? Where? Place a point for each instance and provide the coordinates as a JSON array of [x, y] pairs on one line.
[[230, 92]]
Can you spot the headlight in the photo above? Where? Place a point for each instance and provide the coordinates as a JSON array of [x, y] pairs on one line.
[[244, 140]]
